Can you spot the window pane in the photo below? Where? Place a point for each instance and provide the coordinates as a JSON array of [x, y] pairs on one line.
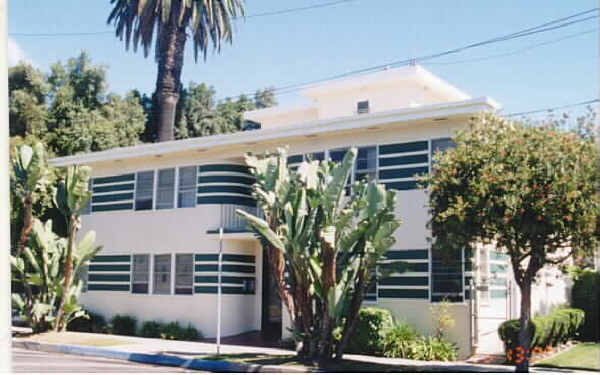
[[162, 274], [143, 190], [320, 156], [88, 205], [441, 144], [165, 188], [447, 275], [337, 155], [366, 164], [184, 273], [187, 187], [140, 274]]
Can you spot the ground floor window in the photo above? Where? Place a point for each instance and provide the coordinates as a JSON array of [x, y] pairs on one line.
[[141, 274], [447, 275], [162, 274], [184, 273]]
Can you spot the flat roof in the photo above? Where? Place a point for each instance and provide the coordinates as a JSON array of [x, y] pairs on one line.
[[345, 123]]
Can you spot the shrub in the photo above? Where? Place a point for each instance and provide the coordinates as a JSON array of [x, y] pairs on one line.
[[442, 318], [432, 348], [586, 296], [369, 333], [95, 324], [173, 331], [399, 341], [558, 327], [151, 329], [124, 325]]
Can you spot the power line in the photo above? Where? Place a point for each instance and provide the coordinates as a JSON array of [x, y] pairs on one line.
[[587, 102], [545, 27], [264, 14], [515, 52]]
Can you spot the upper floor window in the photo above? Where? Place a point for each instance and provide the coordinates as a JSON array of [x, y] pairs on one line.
[[165, 189], [366, 164], [362, 107], [441, 144], [144, 190], [186, 196]]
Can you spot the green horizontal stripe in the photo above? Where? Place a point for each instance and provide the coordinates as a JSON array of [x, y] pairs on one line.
[[498, 268], [449, 298], [110, 188], [224, 290], [468, 265], [411, 267], [226, 199], [225, 267], [386, 174], [112, 197], [111, 258], [108, 277], [403, 147], [294, 159], [112, 179], [498, 256], [109, 267], [112, 287], [403, 293], [224, 168], [403, 160], [112, 207], [498, 281], [405, 281], [498, 293], [230, 179], [226, 257], [224, 279], [225, 189], [402, 185], [407, 254]]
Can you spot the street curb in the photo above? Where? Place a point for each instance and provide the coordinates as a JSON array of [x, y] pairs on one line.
[[155, 359]]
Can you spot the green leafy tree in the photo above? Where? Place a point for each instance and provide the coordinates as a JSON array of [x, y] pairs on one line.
[[207, 22], [528, 190], [330, 242], [72, 195], [28, 90]]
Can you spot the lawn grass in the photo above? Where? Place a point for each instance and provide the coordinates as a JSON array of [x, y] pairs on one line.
[[76, 338], [344, 365], [585, 356]]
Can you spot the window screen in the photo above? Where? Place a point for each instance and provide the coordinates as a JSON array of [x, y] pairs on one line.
[[366, 164], [141, 274], [447, 275], [165, 189], [144, 188], [186, 196], [184, 273], [162, 274]]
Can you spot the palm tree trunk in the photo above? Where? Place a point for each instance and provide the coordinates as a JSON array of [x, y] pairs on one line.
[[170, 52]]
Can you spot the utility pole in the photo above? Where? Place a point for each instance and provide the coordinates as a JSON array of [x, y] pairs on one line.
[[6, 309], [219, 297]]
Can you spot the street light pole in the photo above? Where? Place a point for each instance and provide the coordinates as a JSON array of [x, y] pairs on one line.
[[219, 291]]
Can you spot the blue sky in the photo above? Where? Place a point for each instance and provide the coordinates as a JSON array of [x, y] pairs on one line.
[[287, 49]]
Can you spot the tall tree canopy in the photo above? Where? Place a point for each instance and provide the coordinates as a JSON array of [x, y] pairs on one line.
[[529, 190], [70, 110], [209, 23]]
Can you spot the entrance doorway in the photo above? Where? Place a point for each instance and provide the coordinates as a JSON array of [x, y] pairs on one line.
[[271, 304]]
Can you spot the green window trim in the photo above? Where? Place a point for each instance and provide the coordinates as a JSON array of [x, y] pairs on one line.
[[109, 287], [111, 258], [403, 293], [397, 148], [113, 179]]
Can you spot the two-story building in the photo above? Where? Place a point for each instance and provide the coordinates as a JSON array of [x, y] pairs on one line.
[[156, 209]]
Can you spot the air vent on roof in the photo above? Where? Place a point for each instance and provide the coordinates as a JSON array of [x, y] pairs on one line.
[[362, 107], [250, 125]]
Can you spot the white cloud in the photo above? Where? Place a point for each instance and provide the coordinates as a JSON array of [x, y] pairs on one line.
[[16, 53]]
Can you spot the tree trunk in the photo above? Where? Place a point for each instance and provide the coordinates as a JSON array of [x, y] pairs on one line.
[[525, 320], [27, 223], [170, 51], [74, 224]]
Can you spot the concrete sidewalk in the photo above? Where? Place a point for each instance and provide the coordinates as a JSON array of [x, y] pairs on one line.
[[184, 354]]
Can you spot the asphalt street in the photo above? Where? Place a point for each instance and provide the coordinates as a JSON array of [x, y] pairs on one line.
[[33, 361]]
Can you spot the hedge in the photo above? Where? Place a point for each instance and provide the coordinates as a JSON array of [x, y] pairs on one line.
[[558, 327], [369, 333], [586, 296]]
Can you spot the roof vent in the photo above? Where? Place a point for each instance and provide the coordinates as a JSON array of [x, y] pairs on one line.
[[362, 107], [250, 125]]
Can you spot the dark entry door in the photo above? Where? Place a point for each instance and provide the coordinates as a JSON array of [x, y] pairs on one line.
[[271, 304]]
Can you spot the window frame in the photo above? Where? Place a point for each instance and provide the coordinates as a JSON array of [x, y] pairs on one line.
[[149, 282], [135, 191], [178, 186], [170, 273], [191, 285], [174, 187]]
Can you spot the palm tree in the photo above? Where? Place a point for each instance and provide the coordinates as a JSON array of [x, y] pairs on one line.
[[209, 22]]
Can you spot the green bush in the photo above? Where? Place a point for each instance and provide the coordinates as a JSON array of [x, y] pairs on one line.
[[399, 341], [402, 341], [173, 331], [558, 327], [586, 296], [95, 324], [151, 329], [124, 325], [369, 333]]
